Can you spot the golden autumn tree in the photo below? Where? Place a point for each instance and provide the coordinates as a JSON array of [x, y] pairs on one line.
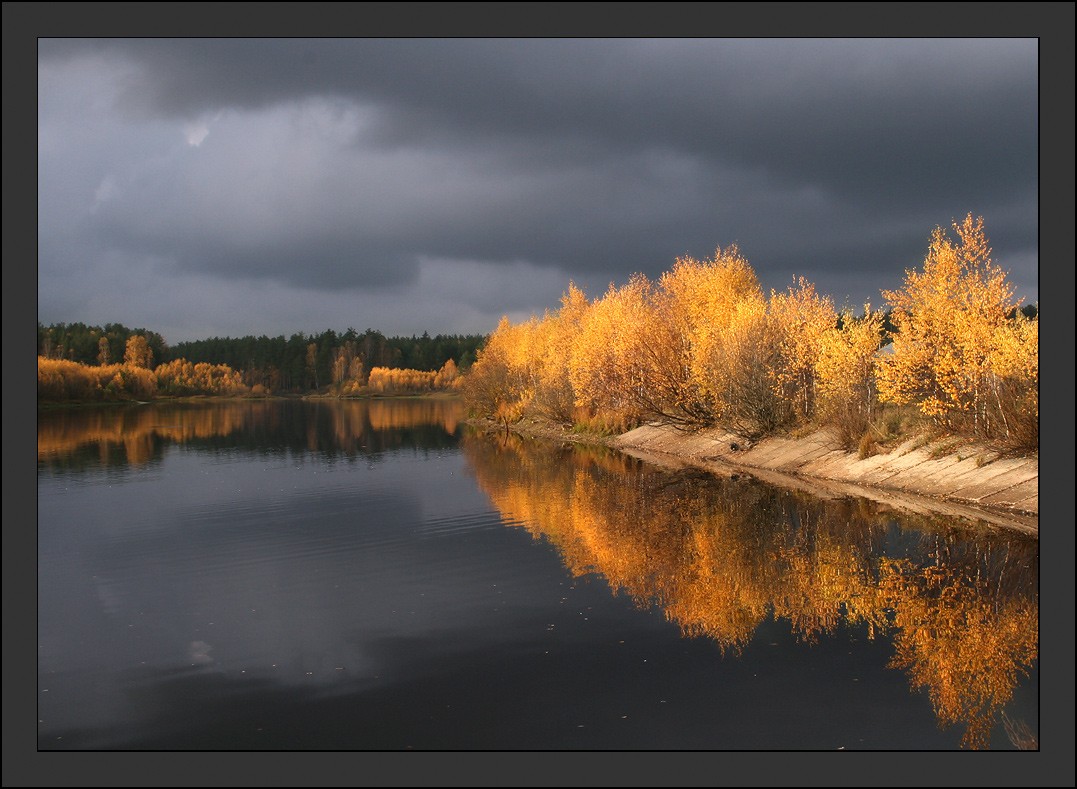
[[845, 373], [138, 352], [345, 367], [385, 380], [555, 397], [523, 350], [181, 377], [1015, 362], [741, 362], [499, 384], [699, 302], [801, 318], [948, 317], [446, 377], [605, 369], [104, 352]]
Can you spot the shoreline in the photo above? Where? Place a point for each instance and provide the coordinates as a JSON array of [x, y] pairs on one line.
[[968, 480], [50, 405]]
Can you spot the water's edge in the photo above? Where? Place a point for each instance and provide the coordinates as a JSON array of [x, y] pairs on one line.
[[970, 482]]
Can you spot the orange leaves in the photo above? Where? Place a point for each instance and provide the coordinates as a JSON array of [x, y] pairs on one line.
[[704, 346], [801, 318], [962, 641], [60, 380], [527, 366], [707, 292], [138, 352], [446, 377], [697, 348], [705, 308], [181, 377], [385, 380], [605, 369], [951, 321], [347, 367], [104, 352], [844, 370], [721, 560]]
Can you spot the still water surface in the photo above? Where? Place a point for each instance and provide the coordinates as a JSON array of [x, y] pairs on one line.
[[374, 575]]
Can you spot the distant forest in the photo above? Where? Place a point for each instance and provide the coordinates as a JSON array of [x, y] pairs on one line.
[[300, 363]]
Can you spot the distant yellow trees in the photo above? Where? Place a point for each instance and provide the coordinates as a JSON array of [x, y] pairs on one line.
[[385, 380], [138, 352], [104, 352], [60, 380], [181, 377], [704, 345]]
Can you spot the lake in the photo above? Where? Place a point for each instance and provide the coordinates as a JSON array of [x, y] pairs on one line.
[[377, 575]]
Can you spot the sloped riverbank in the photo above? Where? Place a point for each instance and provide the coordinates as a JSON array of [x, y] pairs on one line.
[[948, 477]]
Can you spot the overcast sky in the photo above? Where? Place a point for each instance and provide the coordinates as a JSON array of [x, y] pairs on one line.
[[230, 187]]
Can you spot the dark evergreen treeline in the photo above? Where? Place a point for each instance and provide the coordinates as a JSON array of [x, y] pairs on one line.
[[299, 363], [77, 342]]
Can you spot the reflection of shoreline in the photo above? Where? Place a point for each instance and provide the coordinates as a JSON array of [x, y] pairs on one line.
[[926, 487], [721, 556], [137, 435], [46, 406]]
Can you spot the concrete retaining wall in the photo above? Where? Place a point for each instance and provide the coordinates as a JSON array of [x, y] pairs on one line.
[[971, 477]]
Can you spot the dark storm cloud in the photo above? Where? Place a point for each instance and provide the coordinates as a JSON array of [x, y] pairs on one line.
[[834, 110], [331, 164]]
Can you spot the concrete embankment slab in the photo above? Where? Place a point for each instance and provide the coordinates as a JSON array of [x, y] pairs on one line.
[[958, 471], [999, 475]]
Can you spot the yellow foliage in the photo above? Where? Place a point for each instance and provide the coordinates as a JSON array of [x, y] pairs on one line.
[[801, 318], [844, 373], [181, 377], [949, 316], [705, 346], [385, 379], [605, 367], [961, 640], [61, 380], [138, 352], [501, 383], [554, 394], [446, 376], [1015, 364], [740, 365], [705, 308]]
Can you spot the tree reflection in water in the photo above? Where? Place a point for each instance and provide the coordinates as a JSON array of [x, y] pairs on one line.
[[121, 436], [719, 556]]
